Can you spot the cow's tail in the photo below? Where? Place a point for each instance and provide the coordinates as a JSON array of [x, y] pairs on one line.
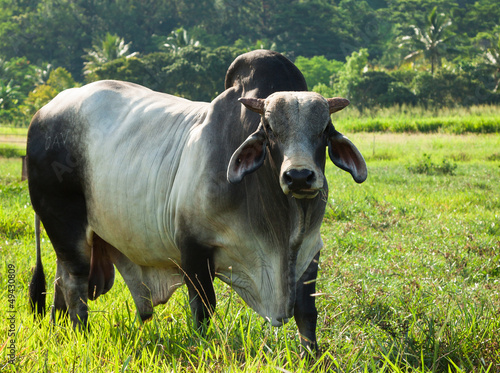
[[37, 284]]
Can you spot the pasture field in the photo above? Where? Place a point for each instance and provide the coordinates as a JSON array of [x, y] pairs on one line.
[[409, 279]]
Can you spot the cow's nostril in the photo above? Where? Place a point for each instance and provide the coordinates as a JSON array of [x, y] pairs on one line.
[[299, 179], [288, 178], [311, 178]]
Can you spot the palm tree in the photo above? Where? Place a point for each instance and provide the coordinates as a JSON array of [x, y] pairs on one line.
[[433, 42], [111, 48], [491, 57], [10, 95], [179, 39]]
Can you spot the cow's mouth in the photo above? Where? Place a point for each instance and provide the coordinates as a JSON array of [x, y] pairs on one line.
[[305, 193]]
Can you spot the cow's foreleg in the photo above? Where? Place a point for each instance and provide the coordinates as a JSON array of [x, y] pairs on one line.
[[305, 312], [198, 268]]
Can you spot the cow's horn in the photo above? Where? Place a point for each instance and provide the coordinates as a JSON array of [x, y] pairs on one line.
[[254, 104], [337, 103]]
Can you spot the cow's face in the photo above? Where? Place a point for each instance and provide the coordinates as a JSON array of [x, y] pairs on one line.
[[298, 125], [295, 124]]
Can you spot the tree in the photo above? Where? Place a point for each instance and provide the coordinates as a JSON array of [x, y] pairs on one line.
[[17, 77], [146, 70], [246, 44], [491, 54], [59, 32], [364, 27], [317, 69], [431, 43], [10, 96], [110, 48], [59, 80], [307, 28], [477, 16], [179, 39], [196, 73], [351, 74]]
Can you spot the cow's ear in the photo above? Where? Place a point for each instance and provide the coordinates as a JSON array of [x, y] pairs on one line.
[[248, 157], [345, 155]]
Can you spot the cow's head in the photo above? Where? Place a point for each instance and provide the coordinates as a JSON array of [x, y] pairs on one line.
[[299, 125]]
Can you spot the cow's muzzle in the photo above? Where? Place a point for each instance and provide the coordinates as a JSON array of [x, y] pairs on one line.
[[300, 183]]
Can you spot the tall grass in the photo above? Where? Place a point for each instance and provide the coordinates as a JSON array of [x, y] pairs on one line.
[[475, 119], [409, 280]]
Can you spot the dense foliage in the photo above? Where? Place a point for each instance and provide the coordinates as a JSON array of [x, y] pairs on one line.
[[376, 52]]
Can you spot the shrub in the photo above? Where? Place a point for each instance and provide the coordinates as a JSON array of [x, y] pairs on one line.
[[59, 80], [398, 94], [426, 167], [318, 69]]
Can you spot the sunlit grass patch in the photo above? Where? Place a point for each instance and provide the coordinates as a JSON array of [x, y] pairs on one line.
[[409, 280]]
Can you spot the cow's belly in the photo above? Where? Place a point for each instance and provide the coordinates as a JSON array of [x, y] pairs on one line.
[[134, 236], [129, 220]]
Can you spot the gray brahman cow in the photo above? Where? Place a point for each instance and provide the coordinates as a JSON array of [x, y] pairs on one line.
[[171, 191]]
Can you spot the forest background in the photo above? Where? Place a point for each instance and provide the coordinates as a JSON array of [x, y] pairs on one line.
[[377, 53]]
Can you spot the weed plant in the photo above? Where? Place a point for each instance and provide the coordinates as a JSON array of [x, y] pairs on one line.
[[409, 280], [428, 167]]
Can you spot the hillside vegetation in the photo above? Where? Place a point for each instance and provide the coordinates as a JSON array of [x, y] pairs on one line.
[[377, 53]]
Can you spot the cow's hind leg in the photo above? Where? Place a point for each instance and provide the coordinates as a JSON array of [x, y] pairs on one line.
[[198, 268], [71, 290], [66, 229], [60, 309], [56, 185]]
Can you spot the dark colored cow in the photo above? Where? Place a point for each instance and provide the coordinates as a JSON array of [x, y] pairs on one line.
[[171, 191]]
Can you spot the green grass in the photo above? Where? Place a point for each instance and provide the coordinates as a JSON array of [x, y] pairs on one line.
[[10, 130], [12, 141], [409, 280], [475, 119], [10, 151]]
